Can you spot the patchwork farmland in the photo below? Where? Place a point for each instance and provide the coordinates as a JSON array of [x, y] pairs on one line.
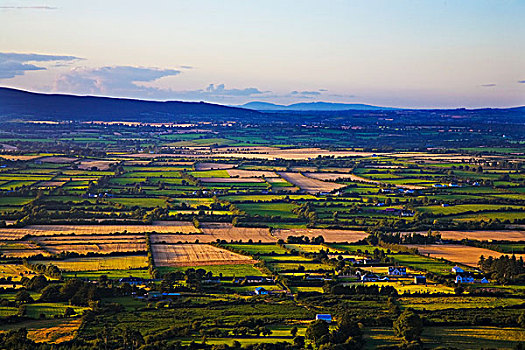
[[213, 235]]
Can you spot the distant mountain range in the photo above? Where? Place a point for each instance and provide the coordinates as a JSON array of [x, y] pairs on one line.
[[18, 104], [22, 104], [312, 106]]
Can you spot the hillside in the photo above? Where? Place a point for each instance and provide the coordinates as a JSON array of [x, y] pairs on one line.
[[22, 104]]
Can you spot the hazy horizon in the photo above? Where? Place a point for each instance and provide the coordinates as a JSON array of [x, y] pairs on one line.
[[406, 54]]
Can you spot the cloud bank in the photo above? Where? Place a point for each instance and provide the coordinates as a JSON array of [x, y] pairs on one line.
[[13, 64]]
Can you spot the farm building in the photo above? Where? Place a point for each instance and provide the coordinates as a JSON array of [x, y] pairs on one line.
[[253, 280], [324, 317], [457, 269], [370, 277], [154, 295], [261, 291], [134, 281], [397, 271], [464, 278], [420, 279]]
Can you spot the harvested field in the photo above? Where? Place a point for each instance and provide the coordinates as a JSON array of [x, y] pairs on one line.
[[20, 249], [58, 160], [101, 263], [356, 178], [15, 271], [90, 239], [230, 179], [18, 157], [255, 153], [59, 333], [50, 230], [213, 231], [228, 232], [329, 235], [514, 235], [213, 166], [251, 173], [50, 183], [329, 176], [308, 184], [92, 243], [274, 180], [99, 164], [195, 255], [457, 253], [96, 248]]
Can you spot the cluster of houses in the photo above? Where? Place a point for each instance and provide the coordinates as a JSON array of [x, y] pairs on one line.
[[97, 195], [466, 277], [397, 190], [393, 271], [446, 185]]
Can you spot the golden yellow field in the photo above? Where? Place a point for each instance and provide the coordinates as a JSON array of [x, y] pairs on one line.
[[228, 232], [457, 253], [309, 185], [20, 249], [101, 263], [195, 255], [18, 157], [484, 235], [64, 331], [213, 231], [15, 271], [43, 230], [329, 235]]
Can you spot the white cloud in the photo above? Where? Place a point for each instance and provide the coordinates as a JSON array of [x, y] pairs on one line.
[[114, 81]]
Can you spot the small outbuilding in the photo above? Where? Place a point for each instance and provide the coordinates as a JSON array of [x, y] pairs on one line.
[[420, 279], [397, 271], [324, 317], [261, 291], [457, 269]]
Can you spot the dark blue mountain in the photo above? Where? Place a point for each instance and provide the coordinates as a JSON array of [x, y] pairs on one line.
[[312, 106], [22, 104]]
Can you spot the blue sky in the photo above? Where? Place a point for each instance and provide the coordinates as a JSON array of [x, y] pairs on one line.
[[435, 53]]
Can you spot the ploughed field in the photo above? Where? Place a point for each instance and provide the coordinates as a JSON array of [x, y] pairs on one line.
[[195, 255]]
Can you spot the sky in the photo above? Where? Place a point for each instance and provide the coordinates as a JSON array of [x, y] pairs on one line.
[[398, 53]]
